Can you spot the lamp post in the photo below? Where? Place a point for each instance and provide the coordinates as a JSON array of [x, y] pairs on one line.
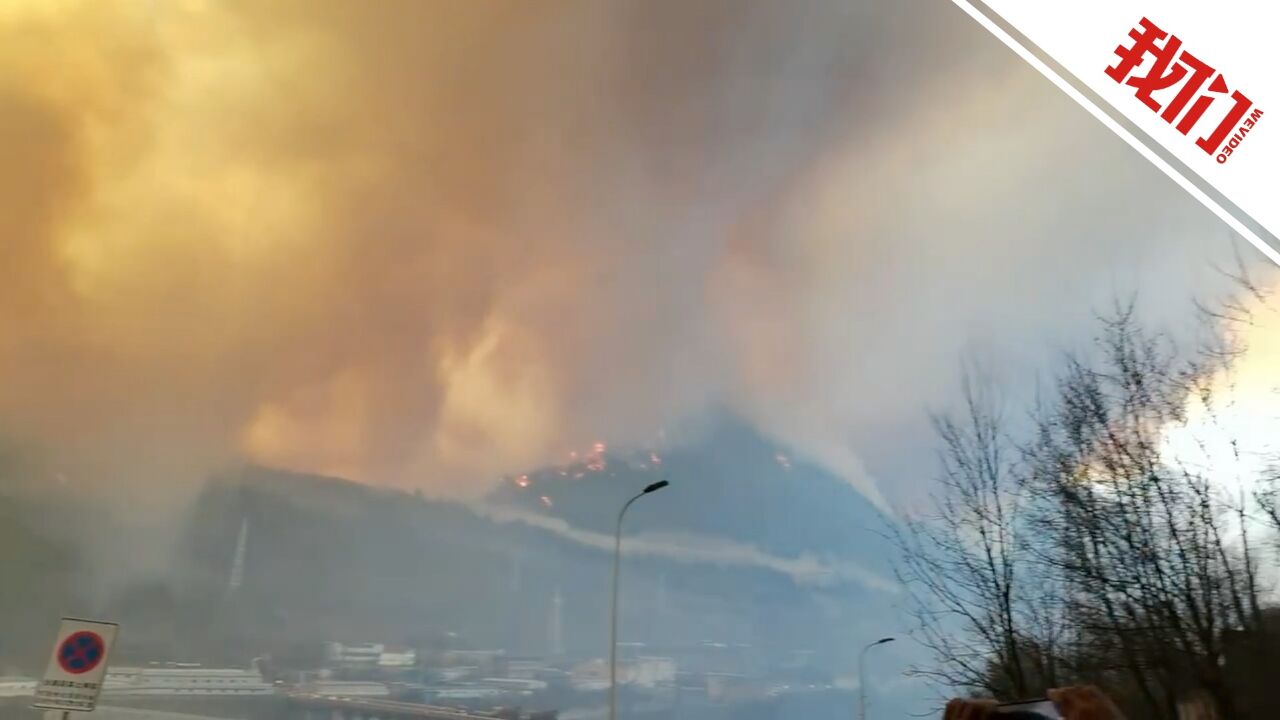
[[613, 610], [862, 676]]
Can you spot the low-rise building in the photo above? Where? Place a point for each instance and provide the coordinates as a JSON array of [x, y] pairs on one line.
[[589, 676], [644, 671], [351, 656], [347, 688], [369, 655], [647, 671], [486, 659], [184, 679], [394, 657]]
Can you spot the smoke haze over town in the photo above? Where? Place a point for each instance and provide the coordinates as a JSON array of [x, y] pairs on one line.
[[429, 247]]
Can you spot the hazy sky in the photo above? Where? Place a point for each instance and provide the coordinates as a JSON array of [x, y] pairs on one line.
[[425, 243]]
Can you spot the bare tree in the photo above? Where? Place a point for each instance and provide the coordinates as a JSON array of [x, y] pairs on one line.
[[1086, 551], [1146, 544], [962, 560]]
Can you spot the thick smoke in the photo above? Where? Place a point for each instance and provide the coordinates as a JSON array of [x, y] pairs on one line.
[[426, 243]]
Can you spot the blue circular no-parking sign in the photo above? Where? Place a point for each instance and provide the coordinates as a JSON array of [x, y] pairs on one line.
[[81, 652]]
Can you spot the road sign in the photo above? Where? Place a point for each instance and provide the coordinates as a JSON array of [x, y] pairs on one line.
[[81, 652], [78, 665]]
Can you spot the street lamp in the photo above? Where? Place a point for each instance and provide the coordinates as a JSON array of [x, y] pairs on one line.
[[862, 676], [613, 610]]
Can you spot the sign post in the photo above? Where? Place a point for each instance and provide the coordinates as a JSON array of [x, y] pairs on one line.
[[77, 667]]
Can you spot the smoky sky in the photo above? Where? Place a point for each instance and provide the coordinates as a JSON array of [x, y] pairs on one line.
[[423, 244]]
